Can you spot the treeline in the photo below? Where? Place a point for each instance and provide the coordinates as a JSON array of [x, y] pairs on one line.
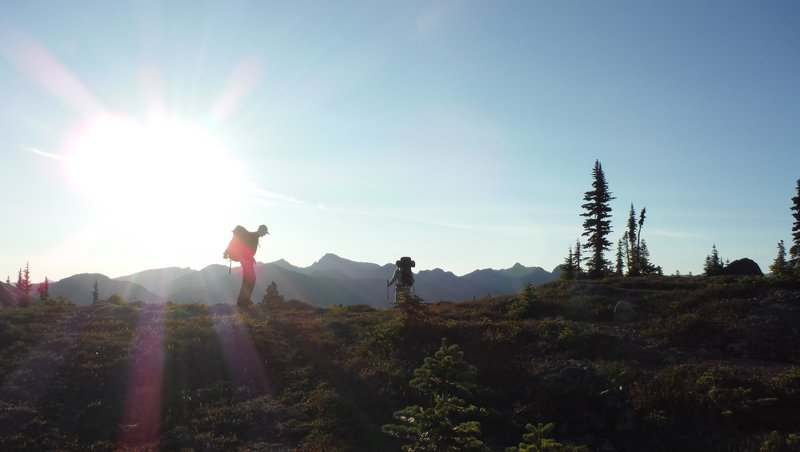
[[587, 260], [26, 287]]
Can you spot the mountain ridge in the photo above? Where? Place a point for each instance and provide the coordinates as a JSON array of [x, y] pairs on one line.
[[331, 280]]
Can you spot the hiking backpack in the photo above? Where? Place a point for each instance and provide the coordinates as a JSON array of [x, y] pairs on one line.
[[242, 243], [405, 264]]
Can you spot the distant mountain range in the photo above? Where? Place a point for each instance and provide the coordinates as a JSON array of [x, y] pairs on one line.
[[331, 280]]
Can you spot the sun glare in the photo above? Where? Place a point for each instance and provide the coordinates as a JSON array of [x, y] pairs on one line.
[[161, 167], [148, 177]]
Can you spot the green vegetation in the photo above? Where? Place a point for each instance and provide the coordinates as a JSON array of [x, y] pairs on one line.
[[794, 250], [447, 422], [637, 257], [713, 265], [535, 440], [780, 268], [597, 225], [632, 252], [708, 364]]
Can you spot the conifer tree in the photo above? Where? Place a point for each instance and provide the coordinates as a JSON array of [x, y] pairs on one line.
[[523, 305], [641, 224], [779, 267], [636, 255], [631, 245], [577, 258], [713, 265], [44, 289], [794, 250], [528, 293], [620, 267], [24, 280], [447, 425], [644, 259], [95, 293], [568, 268], [535, 440], [597, 225]]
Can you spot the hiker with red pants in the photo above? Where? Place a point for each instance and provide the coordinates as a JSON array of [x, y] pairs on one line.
[[242, 249]]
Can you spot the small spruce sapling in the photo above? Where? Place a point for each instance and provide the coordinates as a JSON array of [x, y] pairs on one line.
[[523, 305], [536, 439], [447, 424]]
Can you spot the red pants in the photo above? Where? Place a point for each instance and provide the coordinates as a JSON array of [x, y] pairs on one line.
[[248, 278]]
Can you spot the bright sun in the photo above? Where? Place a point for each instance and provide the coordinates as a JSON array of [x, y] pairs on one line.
[[161, 166], [156, 174]]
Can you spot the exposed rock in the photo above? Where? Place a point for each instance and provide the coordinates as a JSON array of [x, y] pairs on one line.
[[742, 267], [624, 312]]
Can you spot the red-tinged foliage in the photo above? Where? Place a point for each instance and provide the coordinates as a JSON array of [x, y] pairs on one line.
[[708, 364]]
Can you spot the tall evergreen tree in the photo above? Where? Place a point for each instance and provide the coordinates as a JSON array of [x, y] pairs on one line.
[[636, 255], [597, 225], [630, 234], [641, 224], [794, 250], [632, 247], [24, 280], [447, 425], [779, 267], [713, 265], [620, 267], [577, 258]]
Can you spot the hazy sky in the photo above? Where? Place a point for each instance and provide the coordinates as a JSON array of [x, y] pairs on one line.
[[136, 135]]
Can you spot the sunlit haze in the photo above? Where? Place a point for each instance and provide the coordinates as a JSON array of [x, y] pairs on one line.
[[137, 134]]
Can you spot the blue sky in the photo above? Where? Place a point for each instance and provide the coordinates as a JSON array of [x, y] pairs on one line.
[[135, 135]]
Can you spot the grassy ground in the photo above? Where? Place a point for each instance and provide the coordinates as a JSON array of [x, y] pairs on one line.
[[708, 364]]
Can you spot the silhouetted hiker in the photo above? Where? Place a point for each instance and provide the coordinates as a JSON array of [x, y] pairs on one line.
[[242, 248], [403, 278]]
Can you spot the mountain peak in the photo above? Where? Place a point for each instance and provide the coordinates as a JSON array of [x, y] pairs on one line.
[[330, 257], [335, 266], [519, 270]]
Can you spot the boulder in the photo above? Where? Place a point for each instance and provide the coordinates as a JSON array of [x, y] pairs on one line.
[[624, 312], [742, 267]]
